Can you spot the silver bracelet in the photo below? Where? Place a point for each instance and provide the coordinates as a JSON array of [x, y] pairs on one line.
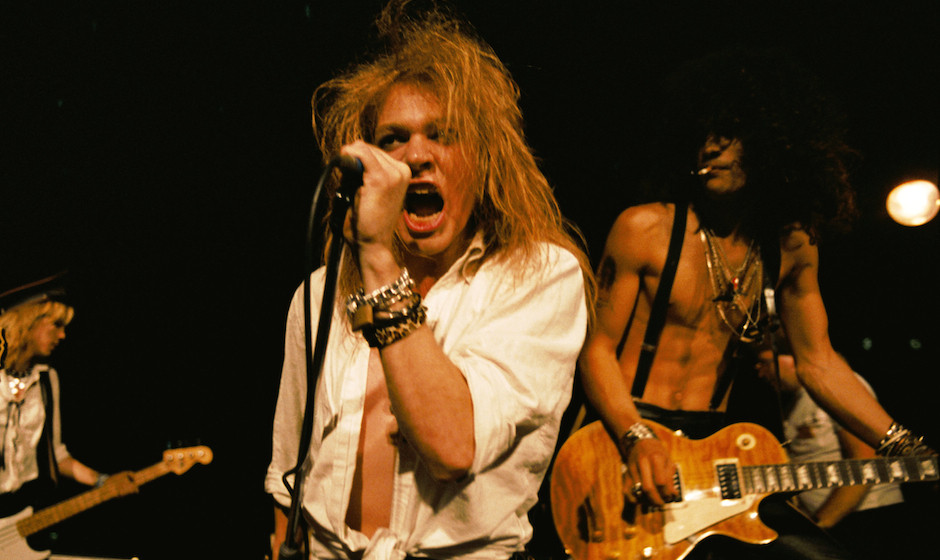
[[898, 440], [634, 433], [382, 298]]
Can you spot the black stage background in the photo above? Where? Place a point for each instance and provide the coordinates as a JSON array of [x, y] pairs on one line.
[[161, 151]]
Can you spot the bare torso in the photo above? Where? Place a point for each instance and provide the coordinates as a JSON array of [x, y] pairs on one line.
[[690, 354]]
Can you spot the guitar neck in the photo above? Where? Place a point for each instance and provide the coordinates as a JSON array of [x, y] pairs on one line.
[[59, 512], [787, 477]]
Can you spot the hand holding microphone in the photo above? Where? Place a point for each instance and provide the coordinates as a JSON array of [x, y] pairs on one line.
[[375, 184]]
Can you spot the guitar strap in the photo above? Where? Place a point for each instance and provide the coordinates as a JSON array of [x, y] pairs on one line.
[[660, 302], [45, 452], [770, 254]]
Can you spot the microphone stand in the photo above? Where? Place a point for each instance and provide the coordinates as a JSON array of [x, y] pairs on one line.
[[296, 542]]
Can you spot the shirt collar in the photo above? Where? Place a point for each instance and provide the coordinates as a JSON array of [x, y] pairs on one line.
[[468, 264]]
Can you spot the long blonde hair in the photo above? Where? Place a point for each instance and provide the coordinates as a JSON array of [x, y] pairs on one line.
[[515, 205], [17, 323]]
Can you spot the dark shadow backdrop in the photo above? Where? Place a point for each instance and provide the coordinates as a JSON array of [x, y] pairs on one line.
[[161, 151]]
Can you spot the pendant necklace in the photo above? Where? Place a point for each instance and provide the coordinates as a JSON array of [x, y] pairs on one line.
[[733, 289]]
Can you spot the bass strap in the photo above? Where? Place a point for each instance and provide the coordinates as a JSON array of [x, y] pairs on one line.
[[45, 453], [660, 301]]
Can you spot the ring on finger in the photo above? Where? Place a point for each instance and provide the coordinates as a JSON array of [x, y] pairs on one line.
[[637, 489]]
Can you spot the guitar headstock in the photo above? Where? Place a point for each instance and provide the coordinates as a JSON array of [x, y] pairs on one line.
[[182, 459]]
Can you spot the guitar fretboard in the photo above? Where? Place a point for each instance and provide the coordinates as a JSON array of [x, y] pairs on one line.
[[59, 512], [786, 477]]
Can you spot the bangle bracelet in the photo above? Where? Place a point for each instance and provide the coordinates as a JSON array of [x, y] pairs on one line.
[[633, 434], [102, 478], [898, 440]]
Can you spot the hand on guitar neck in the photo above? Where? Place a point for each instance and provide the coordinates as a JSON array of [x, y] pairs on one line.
[[121, 484]]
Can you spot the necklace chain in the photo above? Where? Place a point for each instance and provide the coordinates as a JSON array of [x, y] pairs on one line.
[[733, 289]]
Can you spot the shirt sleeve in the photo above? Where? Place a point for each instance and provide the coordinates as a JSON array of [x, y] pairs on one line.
[[520, 353], [292, 392]]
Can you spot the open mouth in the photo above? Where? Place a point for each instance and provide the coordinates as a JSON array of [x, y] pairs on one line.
[[423, 201], [424, 207]]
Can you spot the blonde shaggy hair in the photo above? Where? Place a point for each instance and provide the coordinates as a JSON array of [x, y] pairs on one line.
[[515, 206], [17, 323]]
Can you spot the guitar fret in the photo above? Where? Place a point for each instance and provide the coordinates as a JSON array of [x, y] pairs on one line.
[[820, 474], [757, 481], [787, 477], [896, 470], [848, 475], [928, 468], [870, 472], [804, 477], [913, 469], [854, 467], [834, 475], [773, 479]]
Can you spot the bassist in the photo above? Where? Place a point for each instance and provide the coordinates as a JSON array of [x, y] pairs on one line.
[[33, 319]]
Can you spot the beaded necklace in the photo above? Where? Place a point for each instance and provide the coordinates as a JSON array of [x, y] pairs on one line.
[[16, 381]]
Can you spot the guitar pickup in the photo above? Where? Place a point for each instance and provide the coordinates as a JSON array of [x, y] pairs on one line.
[[677, 484], [729, 483]]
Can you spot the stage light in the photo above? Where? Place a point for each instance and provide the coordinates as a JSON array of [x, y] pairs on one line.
[[913, 203]]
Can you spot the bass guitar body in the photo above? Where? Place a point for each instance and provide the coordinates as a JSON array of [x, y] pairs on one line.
[[14, 547]]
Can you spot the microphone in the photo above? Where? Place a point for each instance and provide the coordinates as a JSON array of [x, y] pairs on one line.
[[351, 169]]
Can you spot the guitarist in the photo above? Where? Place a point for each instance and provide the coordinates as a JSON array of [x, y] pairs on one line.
[[768, 170], [33, 318]]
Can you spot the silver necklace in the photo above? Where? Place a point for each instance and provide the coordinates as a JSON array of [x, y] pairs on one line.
[[734, 291]]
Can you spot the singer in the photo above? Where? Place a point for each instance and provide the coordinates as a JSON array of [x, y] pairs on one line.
[[462, 305], [752, 148]]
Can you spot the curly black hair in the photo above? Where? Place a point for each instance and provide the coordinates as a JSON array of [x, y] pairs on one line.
[[795, 155]]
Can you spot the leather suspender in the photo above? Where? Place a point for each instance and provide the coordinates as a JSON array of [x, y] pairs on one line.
[[660, 301]]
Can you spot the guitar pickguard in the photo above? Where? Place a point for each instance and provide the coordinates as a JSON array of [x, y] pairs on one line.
[[697, 513], [13, 546], [596, 522]]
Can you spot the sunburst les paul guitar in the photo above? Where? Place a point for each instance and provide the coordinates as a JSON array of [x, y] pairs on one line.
[[721, 481], [15, 529]]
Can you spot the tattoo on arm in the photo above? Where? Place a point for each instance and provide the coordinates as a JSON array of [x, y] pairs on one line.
[[606, 273]]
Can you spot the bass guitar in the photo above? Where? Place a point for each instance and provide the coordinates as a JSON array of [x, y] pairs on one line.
[[721, 480], [15, 529]]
